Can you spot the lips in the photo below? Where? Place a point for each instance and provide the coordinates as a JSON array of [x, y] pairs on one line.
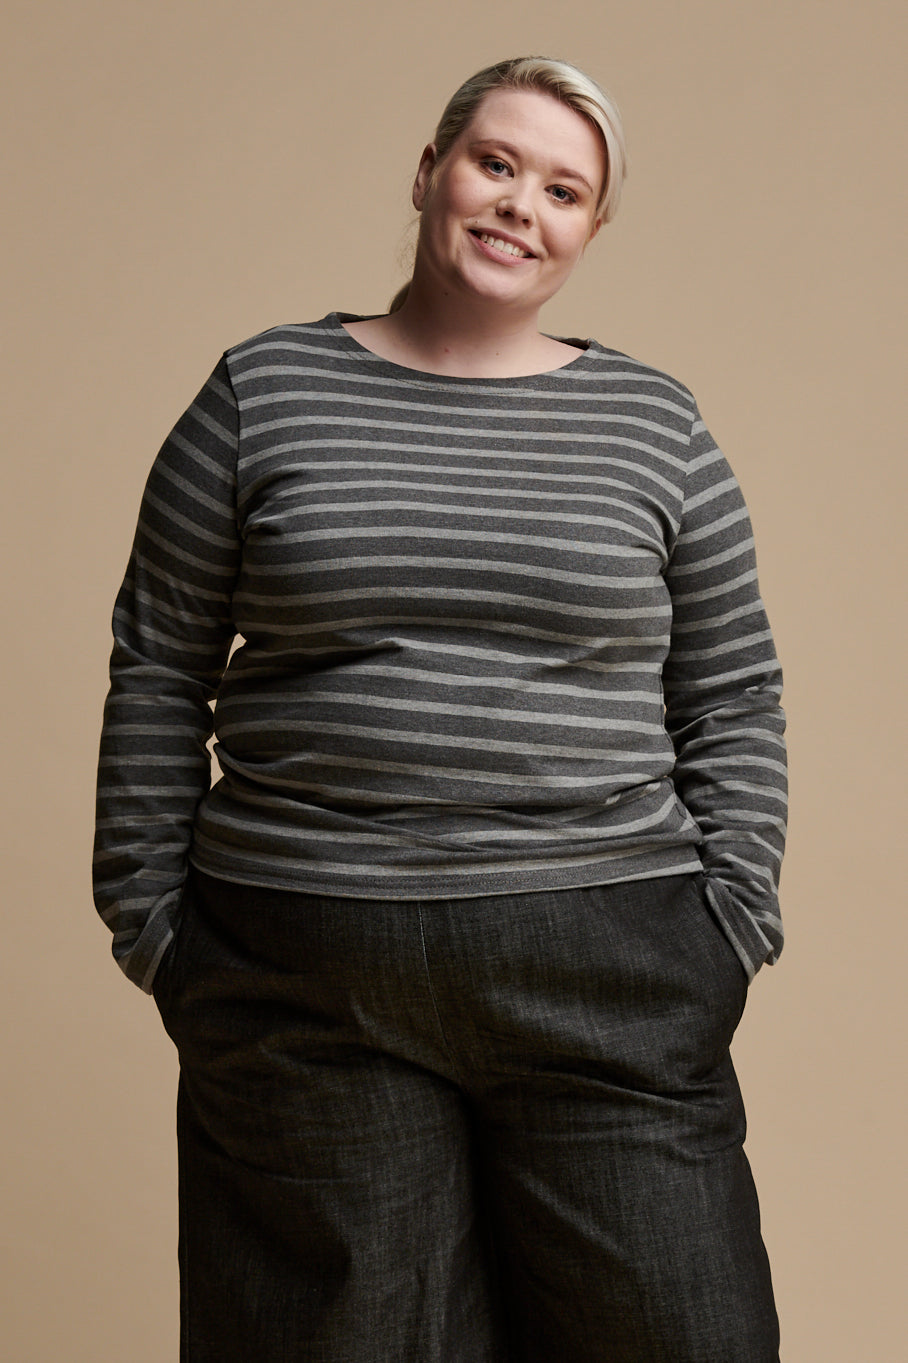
[[510, 246]]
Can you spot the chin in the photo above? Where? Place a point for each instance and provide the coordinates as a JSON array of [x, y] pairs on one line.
[[499, 292]]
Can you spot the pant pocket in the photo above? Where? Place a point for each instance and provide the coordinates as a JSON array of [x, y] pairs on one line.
[[166, 982], [722, 966]]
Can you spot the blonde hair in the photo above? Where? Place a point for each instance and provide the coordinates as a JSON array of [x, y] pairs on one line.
[[565, 83]]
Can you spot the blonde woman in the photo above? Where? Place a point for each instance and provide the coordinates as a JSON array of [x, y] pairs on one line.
[[454, 950]]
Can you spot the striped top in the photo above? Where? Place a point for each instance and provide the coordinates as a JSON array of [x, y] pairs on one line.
[[496, 635]]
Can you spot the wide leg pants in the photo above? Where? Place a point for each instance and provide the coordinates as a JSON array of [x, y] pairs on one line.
[[457, 1131]]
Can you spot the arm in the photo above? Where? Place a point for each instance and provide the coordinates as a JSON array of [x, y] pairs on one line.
[[722, 685], [172, 633]]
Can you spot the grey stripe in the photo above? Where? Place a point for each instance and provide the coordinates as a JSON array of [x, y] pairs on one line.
[[526, 458], [337, 393]]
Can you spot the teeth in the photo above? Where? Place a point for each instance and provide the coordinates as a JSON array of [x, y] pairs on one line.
[[507, 246]]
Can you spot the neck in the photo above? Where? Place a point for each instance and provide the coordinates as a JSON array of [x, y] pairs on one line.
[[466, 337], [444, 334]]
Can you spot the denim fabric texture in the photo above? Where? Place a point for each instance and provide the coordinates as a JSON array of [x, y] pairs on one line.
[[459, 1131]]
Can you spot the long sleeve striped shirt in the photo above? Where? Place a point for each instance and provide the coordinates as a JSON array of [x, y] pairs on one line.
[[455, 637]]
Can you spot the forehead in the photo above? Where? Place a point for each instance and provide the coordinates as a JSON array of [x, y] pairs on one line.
[[540, 123]]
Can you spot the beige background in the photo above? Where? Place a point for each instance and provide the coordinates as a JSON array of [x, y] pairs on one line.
[[181, 175]]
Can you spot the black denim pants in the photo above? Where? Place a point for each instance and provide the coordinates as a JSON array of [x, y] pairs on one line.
[[457, 1131]]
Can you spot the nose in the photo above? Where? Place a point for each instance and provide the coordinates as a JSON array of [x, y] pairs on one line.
[[516, 203]]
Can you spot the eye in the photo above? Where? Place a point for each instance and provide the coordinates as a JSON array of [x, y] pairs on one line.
[[562, 195], [496, 166]]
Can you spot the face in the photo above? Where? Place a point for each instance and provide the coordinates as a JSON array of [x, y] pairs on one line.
[[506, 214]]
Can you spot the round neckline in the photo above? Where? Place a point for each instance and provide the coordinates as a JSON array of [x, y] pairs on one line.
[[405, 374]]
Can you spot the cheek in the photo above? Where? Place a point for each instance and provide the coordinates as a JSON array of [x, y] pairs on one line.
[[586, 235], [465, 193], [570, 242]]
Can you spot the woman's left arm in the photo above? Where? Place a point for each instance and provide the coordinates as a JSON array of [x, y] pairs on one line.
[[722, 687]]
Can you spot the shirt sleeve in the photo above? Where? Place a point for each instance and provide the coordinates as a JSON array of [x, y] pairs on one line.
[[722, 688], [172, 631]]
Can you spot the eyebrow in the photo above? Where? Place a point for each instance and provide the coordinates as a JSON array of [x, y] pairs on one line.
[[562, 174]]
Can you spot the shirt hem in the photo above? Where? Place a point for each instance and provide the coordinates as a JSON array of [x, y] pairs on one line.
[[455, 885]]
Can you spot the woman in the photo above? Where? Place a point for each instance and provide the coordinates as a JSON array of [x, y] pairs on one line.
[[472, 912]]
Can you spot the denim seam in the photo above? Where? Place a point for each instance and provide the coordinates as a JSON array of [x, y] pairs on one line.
[[441, 1027]]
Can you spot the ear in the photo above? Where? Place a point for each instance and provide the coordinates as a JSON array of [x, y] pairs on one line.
[[427, 163], [594, 229]]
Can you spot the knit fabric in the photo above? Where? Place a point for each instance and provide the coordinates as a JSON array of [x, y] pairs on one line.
[[496, 635]]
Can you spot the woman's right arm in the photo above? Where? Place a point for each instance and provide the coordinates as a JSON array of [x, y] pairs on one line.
[[172, 630]]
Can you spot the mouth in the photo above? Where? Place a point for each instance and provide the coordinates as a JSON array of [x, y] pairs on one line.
[[506, 245]]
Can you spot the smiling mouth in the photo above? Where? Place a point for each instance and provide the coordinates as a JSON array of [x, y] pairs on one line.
[[499, 244]]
